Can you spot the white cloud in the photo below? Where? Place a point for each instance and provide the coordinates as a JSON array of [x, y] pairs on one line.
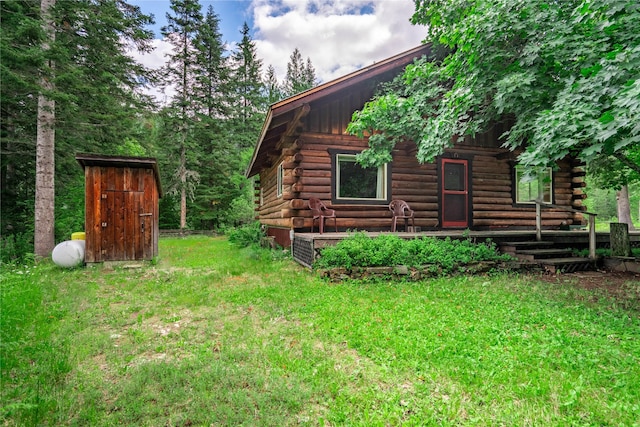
[[338, 36], [154, 60]]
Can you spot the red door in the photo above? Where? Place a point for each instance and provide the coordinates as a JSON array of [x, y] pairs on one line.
[[454, 182]]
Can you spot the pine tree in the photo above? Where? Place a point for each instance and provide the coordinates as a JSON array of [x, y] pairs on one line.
[[92, 86], [21, 58], [300, 77], [212, 76], [248, 89], [273, 88], [180, 72], [213, 94], [245, 124], [44, 232], [309, 74], [224, 137]]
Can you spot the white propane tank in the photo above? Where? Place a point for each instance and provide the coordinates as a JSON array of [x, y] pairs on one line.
[[69, 253]]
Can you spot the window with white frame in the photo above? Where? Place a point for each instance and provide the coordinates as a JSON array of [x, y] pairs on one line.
[[279, 180], [534, 187], [356, 183]]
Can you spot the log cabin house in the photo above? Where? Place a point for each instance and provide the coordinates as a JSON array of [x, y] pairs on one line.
[[304, 152]]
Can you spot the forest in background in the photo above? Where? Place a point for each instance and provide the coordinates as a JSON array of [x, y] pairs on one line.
[[74, 55], [65, 67]]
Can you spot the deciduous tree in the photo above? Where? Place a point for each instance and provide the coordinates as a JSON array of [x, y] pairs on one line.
[[566, 72]]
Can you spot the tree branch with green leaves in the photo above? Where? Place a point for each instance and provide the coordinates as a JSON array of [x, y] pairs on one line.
[[567, 73]]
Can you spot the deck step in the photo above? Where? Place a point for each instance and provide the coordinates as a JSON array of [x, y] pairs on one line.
[[539, 254], [513, 247], [544, 254], [528, 243], [567, 264]]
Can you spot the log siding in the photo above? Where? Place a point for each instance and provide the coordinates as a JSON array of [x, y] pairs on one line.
[[315, 131]]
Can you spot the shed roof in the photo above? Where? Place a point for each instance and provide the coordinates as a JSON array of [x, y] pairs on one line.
[[86, 159], [283, 113]]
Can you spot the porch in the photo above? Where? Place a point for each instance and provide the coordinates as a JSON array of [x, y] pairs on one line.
[[305, 247]]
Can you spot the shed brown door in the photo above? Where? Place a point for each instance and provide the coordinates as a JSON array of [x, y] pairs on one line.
[[454, 197], [127, 226]]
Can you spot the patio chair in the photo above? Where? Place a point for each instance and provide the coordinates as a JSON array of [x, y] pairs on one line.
[[321, 212], [400, 210]]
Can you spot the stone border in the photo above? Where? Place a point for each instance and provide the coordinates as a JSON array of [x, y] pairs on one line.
[[624, 264], [414, 274]]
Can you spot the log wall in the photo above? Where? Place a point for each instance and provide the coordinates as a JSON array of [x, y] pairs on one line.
[[307, 173]]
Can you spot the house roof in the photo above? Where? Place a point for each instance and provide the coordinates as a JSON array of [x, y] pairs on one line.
[[282, 116], [86, 159]]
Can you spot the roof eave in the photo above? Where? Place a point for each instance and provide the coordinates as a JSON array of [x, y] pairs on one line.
[[265, 127], [287, 105]]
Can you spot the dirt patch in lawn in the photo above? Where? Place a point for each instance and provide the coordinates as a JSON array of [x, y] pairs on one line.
[[621, 287]]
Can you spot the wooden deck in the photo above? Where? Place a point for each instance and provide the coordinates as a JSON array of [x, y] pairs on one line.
[[306, 246]]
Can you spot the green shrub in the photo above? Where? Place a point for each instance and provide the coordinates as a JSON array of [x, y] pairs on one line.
[[360, 250], [247, 235], [16, 248]]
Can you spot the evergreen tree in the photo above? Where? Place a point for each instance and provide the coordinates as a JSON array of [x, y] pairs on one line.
[[245, 124], [300, 77], [44, 237], [93, 86], [212, 76], [248, 90], [272, 86], [21, 58], [224, 137], [248, 86], [212, 92], [181, 72], [309, 74]]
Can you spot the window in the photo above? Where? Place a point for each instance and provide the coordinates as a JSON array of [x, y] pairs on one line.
[[530, 188], [279, 180], [356, 183]]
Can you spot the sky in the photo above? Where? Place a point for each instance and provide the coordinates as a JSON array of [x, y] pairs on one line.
[[338, 36]]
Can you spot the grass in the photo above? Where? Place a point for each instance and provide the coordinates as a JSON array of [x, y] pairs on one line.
[[603, 225], [216, 335]]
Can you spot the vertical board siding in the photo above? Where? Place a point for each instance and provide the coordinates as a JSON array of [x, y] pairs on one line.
[[120, 224], [118, 200]]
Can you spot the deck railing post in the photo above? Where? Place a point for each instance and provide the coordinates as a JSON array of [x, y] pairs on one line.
[[592, 236], [592, 225], [538, 222]]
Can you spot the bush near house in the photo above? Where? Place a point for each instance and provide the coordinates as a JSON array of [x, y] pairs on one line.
[[447, 255]]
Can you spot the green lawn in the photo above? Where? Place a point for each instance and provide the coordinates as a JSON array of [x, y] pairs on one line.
[[215, 335]]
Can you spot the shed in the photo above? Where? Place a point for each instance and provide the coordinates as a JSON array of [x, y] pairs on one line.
[[121, 207]]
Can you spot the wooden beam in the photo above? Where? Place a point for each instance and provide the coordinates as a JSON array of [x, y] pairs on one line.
[[292, 127]]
